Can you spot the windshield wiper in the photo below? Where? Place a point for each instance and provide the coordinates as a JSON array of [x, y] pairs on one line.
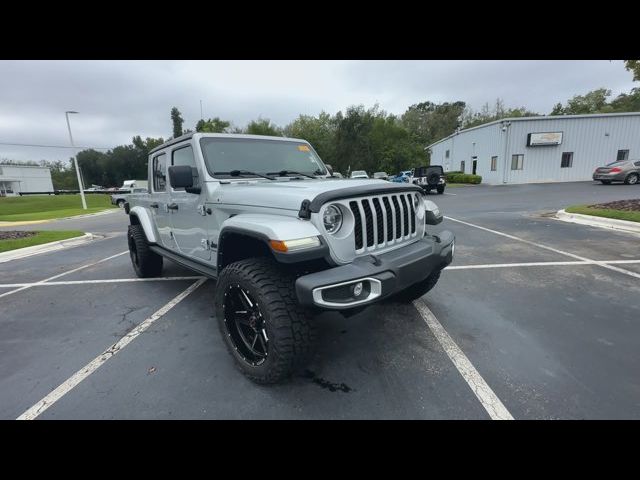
[[284, 173], [237, 173]]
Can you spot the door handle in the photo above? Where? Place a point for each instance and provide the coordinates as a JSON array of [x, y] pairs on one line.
[[154, 205], [172, 206]]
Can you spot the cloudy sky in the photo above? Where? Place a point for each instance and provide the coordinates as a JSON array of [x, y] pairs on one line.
[[120, 99]]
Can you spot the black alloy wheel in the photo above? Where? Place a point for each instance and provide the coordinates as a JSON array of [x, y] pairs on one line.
[[245, 325]]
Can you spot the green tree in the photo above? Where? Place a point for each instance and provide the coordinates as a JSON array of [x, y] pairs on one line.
[[319, 131], [212, 125], [428, 122], [627, 102], [498, 112], [592, 102], [263, 126], [634, 67], [177, 121]]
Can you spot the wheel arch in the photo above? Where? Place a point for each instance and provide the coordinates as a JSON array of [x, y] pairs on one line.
[[140, 216]]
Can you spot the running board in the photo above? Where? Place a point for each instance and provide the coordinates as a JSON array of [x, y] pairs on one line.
[[189, 263]]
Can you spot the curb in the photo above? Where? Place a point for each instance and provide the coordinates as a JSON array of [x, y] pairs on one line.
[[33, 222], [601, 222], [47, 247]]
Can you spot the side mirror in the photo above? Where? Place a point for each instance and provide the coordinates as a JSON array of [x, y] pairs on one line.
[[180, 176]]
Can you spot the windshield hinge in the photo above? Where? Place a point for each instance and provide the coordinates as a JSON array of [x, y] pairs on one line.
[[305, 211]]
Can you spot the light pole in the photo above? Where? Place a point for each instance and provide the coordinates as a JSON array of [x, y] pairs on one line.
[[75, 160]]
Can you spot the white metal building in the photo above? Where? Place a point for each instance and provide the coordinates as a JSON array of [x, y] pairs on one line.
[[540, 149], [24, 178]]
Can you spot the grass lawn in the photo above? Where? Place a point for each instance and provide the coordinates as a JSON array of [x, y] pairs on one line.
[[631, 216], [38, 239], [46, 207]]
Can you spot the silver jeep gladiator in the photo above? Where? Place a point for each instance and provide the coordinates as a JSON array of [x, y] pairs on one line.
[[283, 239]]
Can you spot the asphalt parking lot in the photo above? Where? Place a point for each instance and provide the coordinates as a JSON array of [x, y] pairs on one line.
[[535, 319]]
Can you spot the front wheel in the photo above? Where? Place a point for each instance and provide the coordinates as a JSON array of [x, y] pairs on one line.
[[265, 329], [120, 203], [631, 179], [146, 263]]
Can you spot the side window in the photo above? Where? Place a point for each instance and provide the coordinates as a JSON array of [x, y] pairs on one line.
[[160, 173], [517, 162], [567, 160], [446, 154], [184, 156], [462, 166], [494, 164]]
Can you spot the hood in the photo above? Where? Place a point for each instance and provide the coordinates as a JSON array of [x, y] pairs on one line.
[[288, 194]]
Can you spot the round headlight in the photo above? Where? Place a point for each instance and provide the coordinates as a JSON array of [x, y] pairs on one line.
[[332, 219]]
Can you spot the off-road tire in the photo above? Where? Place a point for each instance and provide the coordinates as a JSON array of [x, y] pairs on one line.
[[631, 179], [440, 189], [290, 328], [417, 290], [120, 203], [606, 182], [145, 262]]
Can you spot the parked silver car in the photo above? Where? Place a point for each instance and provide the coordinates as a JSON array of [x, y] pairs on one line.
[[627, 171]]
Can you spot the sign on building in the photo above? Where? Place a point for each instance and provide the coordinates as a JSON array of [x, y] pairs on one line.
[[544, 138]]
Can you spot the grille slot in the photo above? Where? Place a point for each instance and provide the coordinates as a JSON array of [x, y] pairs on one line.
[[379, 220], [368, 221], [405, 216], [387, 209], [357, 227]]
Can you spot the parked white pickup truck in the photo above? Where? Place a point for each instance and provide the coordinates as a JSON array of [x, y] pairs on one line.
[[284, 241]]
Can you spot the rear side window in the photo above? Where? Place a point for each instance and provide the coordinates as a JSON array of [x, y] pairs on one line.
[[184, 156], [160, 173]]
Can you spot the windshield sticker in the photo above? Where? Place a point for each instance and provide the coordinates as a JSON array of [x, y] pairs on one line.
[[303, 148]]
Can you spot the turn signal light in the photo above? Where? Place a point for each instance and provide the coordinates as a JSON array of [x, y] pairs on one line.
[[293, 245]]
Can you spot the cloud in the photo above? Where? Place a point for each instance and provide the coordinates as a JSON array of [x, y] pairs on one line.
[[120, 99]]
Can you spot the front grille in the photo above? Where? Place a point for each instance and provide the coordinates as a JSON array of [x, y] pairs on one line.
[[383, 221]]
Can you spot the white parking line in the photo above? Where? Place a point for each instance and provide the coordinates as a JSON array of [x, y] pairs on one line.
[[535, 264], [63, 274], [108, 280], [97, 362], [489, 400], [551, 249]]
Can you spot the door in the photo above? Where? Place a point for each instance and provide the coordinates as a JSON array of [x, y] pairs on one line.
[[474, 165], [189, 218], [160, 200]]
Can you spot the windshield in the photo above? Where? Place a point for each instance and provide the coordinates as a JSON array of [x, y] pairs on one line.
[[223, 155]]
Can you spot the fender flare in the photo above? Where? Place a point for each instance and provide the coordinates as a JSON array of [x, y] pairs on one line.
[[273, 227], [144, 218]]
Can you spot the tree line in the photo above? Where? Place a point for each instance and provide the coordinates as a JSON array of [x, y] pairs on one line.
[[359, 138]]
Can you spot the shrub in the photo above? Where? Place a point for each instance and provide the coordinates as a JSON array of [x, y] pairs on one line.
[[457, 177]]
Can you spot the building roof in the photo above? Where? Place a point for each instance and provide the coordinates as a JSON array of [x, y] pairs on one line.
[[18, 165], [540, 117]]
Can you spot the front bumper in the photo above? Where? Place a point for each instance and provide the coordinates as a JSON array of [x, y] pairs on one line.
[[381, 275]]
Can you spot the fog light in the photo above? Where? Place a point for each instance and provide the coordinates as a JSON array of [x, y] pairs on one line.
[[357, 289]]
